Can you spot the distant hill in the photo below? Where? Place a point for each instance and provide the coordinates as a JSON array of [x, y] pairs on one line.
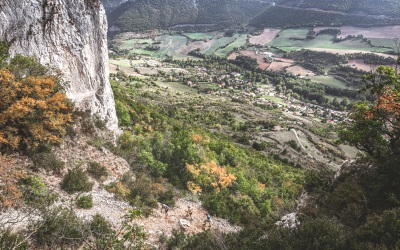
[[110, 5], [292, 13], [145, 14]]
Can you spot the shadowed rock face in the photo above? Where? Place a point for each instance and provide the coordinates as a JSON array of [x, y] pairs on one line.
[[70, 35]]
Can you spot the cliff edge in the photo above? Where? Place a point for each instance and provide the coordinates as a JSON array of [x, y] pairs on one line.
[[70, 35]]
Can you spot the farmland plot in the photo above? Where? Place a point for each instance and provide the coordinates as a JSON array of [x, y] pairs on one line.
[[240, 41], [267, 36], [287, 42]]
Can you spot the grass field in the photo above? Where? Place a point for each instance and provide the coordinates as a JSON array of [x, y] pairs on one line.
[[171, 45], [216, 43], [274, 99], [292, 39], [240, 41], [131, 43], [389, 43], [329, 81], [199, 36]]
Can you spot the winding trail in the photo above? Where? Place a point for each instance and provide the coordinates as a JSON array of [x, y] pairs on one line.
[[301, 144]]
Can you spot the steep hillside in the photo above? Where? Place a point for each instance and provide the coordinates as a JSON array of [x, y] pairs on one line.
[[338, 12], [109, 5], [142, 15], [69, 35], [373, 7]]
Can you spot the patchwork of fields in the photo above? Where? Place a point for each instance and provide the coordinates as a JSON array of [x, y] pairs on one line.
[[275, 42]]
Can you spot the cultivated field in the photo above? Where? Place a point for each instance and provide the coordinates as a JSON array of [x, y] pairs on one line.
[[212, 45], [200, 36], [267, 36], [240, 41], [298, 70], [371, 32], [329, 81], [281, 64], [294, 39]]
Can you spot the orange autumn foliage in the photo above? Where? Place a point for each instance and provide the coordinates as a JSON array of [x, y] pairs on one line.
[[32, 111], [10, 195], [210, 174]]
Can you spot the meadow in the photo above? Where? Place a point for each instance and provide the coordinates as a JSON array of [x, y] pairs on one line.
[[295, 39]]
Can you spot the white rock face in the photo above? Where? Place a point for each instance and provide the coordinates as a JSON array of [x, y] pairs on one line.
[[70, 35]]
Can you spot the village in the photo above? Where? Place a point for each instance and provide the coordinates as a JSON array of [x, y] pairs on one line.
[[263, 95]]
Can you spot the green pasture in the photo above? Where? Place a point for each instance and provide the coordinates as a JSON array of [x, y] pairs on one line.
[[170, 45], [288, 40], [240, 41], [329, 81], [215, 44], [130, 44], [274, 99], [200, 36], [382, 42], [120, 62]]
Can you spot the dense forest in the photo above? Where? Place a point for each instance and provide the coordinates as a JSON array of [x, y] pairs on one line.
[[142, 15], [373, 7], [288, 16]]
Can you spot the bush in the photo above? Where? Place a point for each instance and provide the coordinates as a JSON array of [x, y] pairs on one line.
[[96, 170], [59, 227], [76, 181], [10, 240], [85, 201], [34, 113], [48, 162], [36, 193], [105, 237]]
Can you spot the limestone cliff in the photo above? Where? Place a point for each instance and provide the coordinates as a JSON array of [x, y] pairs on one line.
[[70, 35]]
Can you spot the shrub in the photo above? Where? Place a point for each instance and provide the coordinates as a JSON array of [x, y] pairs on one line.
[[76, 181], [96, 170], [100, 226], [33, 111], [36, 193], [59, 227], [10, 240], [105, 237], [48, 162], [85, 201]]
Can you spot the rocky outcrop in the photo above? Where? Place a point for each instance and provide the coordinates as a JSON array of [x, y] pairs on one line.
[[70, 35]]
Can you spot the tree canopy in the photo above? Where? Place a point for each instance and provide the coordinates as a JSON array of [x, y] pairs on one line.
[[33, 110]]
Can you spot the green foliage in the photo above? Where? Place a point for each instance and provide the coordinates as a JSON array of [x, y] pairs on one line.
[[58, 227], [36, 194], [96, 170], [144, 15], [318, 181], [381, 230], [85, 201], [287, 16], [310, 234], [76, 180], [11, 240], [3, 53], [173, 137], [157, 168], [124, 118], [48, 162], [204, 240]]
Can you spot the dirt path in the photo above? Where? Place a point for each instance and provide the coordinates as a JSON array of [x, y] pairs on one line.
[[301, 144]]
